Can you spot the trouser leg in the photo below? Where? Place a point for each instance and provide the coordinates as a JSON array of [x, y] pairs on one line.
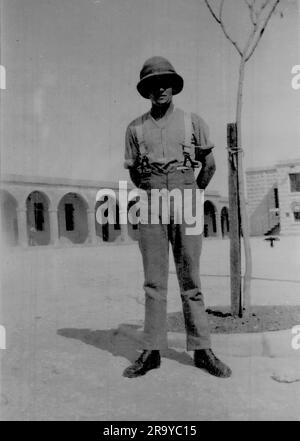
[[154, 246], [186, 251]]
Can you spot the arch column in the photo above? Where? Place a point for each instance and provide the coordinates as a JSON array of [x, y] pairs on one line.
[[53, 220], [123, 226], [22, 227], [218, 222], [91, 227]]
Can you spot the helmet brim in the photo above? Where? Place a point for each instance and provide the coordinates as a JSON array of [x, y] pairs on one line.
[[176, 82]]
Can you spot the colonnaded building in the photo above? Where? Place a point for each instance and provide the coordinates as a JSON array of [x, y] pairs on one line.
[[61, 212], [273, 195]]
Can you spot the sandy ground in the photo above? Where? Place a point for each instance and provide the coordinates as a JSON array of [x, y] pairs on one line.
[[62, 309]]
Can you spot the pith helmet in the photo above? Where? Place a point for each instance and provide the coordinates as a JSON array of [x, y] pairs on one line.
[[154, 68]]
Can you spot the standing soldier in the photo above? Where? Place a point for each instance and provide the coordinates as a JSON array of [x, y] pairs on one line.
[[162, 148]]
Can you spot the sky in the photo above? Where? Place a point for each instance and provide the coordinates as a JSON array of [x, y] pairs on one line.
[[72, 67]]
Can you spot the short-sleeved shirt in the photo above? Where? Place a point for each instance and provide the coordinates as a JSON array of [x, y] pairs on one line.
[[164, 140]]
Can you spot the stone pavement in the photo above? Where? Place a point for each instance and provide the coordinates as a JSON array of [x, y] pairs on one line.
[[73, 318]]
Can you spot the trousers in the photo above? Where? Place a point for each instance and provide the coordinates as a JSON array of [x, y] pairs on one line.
[[154, 240]]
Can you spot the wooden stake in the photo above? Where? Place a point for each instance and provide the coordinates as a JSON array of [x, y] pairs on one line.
[[234, 222]]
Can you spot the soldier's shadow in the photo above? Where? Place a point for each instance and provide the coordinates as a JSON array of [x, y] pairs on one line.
[[125, 341]]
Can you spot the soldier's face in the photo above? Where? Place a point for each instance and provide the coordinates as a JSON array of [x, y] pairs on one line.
[[160, 92]]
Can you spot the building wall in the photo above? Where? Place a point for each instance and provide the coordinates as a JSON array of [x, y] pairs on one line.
[[9, 221], [288, 198], [261, 183], [261, 200]]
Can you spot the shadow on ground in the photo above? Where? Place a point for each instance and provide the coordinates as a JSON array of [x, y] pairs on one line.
[[124, 341]]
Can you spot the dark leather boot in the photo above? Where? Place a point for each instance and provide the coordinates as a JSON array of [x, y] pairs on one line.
[[206, 359], [148, 360]]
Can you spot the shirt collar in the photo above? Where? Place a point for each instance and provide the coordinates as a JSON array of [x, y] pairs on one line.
[[166, 118]]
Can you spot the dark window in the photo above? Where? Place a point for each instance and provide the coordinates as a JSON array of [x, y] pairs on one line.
[[297, 216], [295, 181], [39, 216], [276, 198], [117, 225], [69, 215], [205, 230], [213, 217]]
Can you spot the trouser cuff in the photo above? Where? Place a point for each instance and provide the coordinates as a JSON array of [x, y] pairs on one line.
[[194, 343], [152, 344]]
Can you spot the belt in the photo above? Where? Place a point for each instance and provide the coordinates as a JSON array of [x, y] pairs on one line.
[[145, 168]]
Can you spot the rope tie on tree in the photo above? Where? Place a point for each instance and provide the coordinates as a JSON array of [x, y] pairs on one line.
[[233, 155], [234, 151]]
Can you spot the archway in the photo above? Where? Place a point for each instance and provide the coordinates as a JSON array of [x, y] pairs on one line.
[[38, 227], [210, 224], [224, 221], [109, 231], [72, 219], [9, 222]]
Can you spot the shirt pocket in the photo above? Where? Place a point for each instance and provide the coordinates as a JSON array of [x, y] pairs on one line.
[[188, 177]]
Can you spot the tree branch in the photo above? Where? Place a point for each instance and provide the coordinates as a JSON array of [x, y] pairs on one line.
[[260, 33], [264, 4], [251, 11], [212, 12], [219, 20]]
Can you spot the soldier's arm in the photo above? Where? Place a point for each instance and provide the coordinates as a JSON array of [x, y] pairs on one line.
[[203, 152], [135, 176], [130, 157], [207, 171]]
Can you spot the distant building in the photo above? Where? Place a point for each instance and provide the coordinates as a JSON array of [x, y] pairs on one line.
[[273, 195], [61, 212]]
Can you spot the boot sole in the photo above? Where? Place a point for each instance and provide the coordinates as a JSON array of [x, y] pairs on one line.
[[214, 374], [140, 373]]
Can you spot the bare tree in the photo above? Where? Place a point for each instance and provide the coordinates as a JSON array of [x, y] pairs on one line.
[[260, 12]]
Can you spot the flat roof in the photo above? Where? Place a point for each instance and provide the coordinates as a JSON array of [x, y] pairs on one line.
[[67, 182], [62, 182], [282, 163]]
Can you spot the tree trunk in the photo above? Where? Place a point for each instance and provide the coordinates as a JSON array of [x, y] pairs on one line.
[[241, 189]]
